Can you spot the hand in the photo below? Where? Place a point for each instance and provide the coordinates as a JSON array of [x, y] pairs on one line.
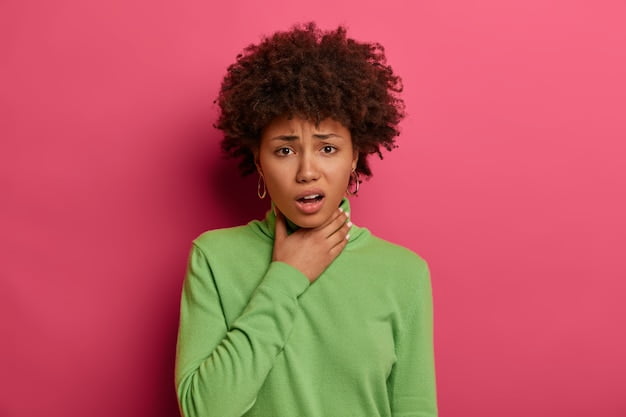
[[311, 250]]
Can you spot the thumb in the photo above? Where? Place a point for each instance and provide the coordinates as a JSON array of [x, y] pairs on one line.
[[280, 229]]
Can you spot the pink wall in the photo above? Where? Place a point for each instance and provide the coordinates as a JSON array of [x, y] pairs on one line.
[[510, 180]]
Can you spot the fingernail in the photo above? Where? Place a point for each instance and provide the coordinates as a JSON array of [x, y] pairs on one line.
[[348, 236], [340, 209], [347, 214], [349, 223]]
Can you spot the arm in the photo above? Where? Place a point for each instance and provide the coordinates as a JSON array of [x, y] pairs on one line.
[[412, 381], [219, 370]]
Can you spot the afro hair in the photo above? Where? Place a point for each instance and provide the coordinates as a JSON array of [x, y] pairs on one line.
[[315, 75]]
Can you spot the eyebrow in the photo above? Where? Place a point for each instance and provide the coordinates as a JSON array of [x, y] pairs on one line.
[[320, 136]]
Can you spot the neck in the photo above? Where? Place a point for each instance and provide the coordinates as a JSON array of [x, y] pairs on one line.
[[291, 226]]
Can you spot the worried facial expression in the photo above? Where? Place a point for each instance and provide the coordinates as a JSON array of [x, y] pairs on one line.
[[306, 167]]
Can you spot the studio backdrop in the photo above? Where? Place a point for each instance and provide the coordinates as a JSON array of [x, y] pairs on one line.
[[509, 180]]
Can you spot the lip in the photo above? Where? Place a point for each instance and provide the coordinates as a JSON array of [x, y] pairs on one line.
[[312, 207], [310, 192]]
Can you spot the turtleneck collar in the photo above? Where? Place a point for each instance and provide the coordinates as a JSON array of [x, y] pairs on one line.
[[268, 225]]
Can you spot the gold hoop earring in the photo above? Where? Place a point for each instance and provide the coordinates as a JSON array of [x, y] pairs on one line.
[[258, 188], [354, 180]]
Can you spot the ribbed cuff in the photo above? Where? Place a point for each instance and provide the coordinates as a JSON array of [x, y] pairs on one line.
[[285, 278]]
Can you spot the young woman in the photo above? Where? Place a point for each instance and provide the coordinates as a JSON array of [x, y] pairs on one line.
[[304, 313]]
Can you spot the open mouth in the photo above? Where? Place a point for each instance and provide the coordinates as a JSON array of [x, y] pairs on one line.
[[313, 198], [311, 202]]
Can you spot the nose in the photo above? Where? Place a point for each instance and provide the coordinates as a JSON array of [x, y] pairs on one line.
[[307, 169]]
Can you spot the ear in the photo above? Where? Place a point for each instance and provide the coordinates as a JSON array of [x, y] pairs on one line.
[[355, 158], [257, 162]]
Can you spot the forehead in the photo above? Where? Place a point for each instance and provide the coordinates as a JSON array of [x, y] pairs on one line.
[[284, 125]]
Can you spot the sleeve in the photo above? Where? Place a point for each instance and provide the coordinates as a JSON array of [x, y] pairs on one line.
[[412, 383], [219, 370]]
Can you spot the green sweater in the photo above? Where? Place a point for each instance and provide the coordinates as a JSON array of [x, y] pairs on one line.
[[256, 339]]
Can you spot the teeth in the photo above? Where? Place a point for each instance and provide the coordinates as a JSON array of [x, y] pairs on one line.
[[310, 197]]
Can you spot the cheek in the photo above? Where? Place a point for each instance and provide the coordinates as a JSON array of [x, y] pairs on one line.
[[275, 180], [341, 173], [277, 172], [270, 169]]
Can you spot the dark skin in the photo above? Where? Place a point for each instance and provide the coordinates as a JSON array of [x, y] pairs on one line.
[[312, 250], [319, 157]]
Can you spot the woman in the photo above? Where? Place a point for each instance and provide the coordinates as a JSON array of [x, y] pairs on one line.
[[304, 313]]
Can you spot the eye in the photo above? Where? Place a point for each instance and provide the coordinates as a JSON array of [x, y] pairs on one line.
[[284, 151], [328, 149]]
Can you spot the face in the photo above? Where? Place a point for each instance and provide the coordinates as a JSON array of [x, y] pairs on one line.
[[306, 168]]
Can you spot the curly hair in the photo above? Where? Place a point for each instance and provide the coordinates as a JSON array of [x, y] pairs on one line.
[[315, 75]]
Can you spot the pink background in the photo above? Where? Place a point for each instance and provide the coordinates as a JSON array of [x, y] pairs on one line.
[[510, 180]]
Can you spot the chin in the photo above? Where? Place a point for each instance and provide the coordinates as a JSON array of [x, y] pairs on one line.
[[312, 220], [308, 222]]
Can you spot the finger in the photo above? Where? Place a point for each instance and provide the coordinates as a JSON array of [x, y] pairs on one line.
[[336, 250], [330, 219], [336, 224], [340, 235], [280, 228], [334, 221]]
